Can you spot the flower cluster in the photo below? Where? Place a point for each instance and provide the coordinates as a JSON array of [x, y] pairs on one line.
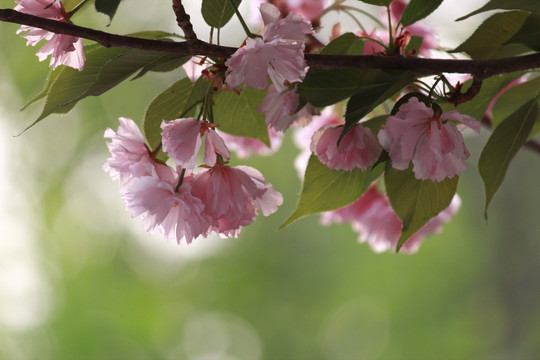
[[64, 49], [373, 217], [178, 202], [279, 54]]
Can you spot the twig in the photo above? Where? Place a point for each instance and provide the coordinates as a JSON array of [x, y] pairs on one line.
[[182, 19], [480, 69]]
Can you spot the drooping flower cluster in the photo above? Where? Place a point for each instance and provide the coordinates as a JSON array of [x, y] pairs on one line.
[[178, 202], [430, 140], [64, 49], [379, 226], [278, 55]]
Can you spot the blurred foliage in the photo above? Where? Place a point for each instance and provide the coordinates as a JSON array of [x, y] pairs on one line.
[[305, 292]]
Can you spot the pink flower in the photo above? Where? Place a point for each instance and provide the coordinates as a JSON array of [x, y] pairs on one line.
[[302, 137], [64, 49], [373, 217], [232, 196], [176, 213], [278, 55], [182, 140], [129, 153], [431, 141], [246, 147], [193, 69], [280, 107], [359, 148]]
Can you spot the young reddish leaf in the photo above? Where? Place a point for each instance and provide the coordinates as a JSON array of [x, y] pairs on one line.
[[326, 189], [503, 145]]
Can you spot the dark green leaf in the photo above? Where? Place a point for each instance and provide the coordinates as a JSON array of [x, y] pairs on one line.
[[237, 114], [488, 40], [417, 10], [526, 5], [375, 87], [503, 145], [217, 13], [167, 62], [416, 201], [107, 7], [346, 44], [326, 189], [529, 34], [378, 2], [515, 97], [176, 101]]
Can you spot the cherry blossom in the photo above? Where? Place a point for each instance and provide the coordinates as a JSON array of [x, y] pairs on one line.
[[430, 140], [64, 49], [245, 147], [373, 217], [278, 55], [310, 9], [174, 212], [129, 153], [358, 148], [182, 140], [303, 135], [279, 108], [233, 195]]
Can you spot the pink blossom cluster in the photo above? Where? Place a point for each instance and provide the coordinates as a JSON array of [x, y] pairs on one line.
[[373, 217], [310, 9], [432, 141], [279, 54], [64, 49], [178, 202]]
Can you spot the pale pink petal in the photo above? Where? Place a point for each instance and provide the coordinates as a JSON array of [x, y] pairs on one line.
[[245, 147], [214, 144], [359, 148], [182, 140]]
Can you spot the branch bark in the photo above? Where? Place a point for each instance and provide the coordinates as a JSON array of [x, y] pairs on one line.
[[480, 69]]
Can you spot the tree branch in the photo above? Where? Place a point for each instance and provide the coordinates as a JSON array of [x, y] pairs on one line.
[[480, 69], [182, 19]]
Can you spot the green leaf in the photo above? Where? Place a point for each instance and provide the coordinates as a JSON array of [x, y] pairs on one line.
[[104, 69], [490, 87], [167, 62], [503, 145], [237, 114], [377, 2], [515, 97], [526, 5], [376, 87], [346, 44], [417, 10], [529, 33], [487, 42], [326, 189], [176, 101], [217, 13], [416, 201], [107, 7]]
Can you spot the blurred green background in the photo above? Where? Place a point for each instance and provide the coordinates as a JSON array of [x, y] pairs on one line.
[[80, 279]]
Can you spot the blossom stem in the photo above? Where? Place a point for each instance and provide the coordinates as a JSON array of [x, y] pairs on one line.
[[241, 19], [390, 32], [180, 180]]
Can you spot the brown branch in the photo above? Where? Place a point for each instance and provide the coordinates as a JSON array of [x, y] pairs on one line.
[[456, 97], [480, 69], [182, 19]]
